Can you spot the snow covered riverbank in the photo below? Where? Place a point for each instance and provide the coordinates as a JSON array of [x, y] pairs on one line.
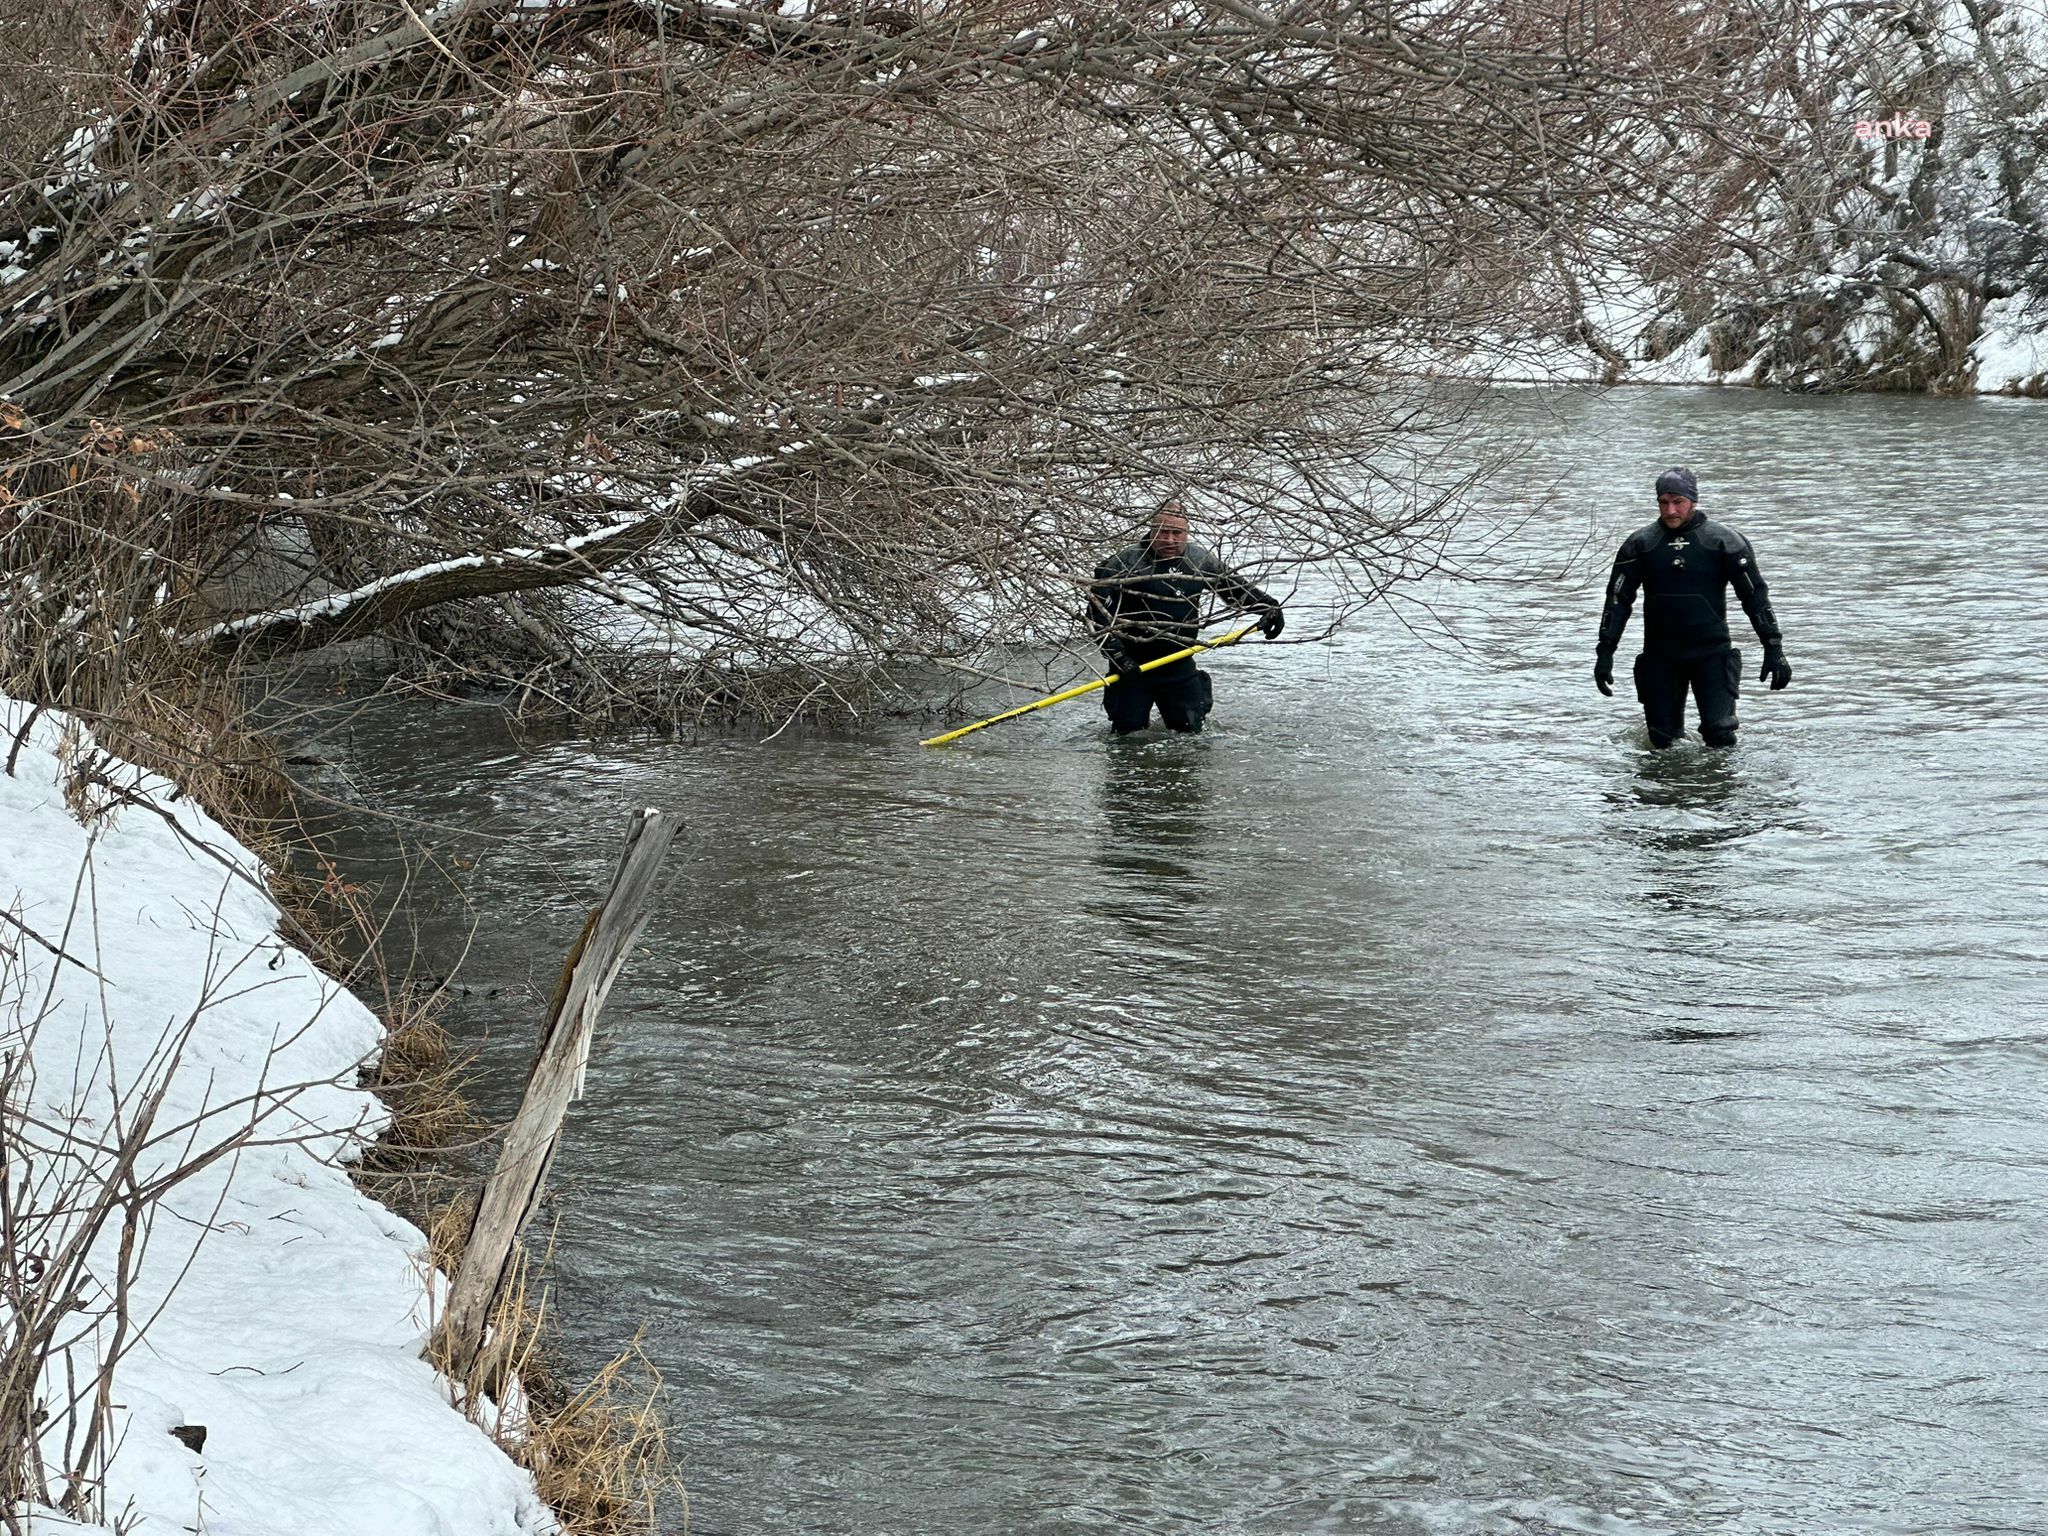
[[2008, 356], [266, 1299]]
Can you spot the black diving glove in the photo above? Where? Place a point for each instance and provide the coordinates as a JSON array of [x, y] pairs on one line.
[[1272, 621], [1120, 663], [1777, 670], [1603, 672]]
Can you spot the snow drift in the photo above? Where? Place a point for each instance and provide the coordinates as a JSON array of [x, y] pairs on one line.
[[242, 1285]]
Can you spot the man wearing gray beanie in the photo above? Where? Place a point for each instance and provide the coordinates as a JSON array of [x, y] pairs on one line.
[[1683, 565]]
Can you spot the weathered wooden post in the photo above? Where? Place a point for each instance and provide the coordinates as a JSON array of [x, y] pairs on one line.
[[555, 1083]]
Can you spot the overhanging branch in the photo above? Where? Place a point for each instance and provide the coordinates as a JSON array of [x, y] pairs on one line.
[[376, 605]]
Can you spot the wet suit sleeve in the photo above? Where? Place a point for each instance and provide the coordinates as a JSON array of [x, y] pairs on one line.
[[1748, 581], [1104, 599], [1622, 582], [1231, 586]]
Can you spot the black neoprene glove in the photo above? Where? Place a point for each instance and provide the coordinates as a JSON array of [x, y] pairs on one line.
[[1272, 621], [1603, 672], [1776, 669], [1120, 663]]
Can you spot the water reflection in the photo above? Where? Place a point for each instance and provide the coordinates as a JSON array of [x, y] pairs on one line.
[[1687, 798], [1690, 798], [1694, 820], [1153, 830]]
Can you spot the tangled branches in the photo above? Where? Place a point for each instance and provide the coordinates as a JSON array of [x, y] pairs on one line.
[[552, 337]]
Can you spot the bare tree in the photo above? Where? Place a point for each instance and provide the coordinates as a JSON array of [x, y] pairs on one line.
[[786, 339], [1870, 194]]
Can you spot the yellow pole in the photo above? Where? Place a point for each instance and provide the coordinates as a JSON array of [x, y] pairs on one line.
[[1088, 687]]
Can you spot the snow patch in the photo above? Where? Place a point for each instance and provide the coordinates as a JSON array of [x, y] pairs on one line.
[[293, 1308], [2011, 353]]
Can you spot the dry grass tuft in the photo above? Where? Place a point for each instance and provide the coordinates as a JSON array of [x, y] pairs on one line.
[[447, 1227], [599, 1454], [419, 1078], [601, 1460]]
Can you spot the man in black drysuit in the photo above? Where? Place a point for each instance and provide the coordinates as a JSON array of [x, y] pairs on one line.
[[1146, 602], [1684, 565]]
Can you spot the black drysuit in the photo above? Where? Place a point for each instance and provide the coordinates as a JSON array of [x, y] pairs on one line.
[[1142, 608], [1684, 574]]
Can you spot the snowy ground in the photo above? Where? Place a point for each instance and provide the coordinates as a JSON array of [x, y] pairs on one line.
[[293, 1309], [2011, 353], [2011, 348]]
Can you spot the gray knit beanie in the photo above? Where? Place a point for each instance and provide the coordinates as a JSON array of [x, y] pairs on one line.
[[1678, 482]]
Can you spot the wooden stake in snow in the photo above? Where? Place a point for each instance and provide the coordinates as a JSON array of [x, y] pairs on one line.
[[555, 1083]]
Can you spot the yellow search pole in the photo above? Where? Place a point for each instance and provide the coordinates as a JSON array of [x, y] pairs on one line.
[[1088, 687]]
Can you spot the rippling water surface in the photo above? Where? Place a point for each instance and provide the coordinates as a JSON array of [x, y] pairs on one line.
[[1412, 1106]]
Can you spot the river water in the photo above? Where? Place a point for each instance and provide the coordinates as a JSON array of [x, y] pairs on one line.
[[1412, 1106]]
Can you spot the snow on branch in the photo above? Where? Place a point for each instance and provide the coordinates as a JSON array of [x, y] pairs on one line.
[[364, 610]]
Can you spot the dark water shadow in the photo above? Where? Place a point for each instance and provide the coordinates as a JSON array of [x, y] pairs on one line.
[[1690, 813], [1155, 828], [1692, 797]]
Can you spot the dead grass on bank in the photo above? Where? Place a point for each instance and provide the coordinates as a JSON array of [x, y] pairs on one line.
[[421, 1161], [601, 1459], [598, 1454]]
